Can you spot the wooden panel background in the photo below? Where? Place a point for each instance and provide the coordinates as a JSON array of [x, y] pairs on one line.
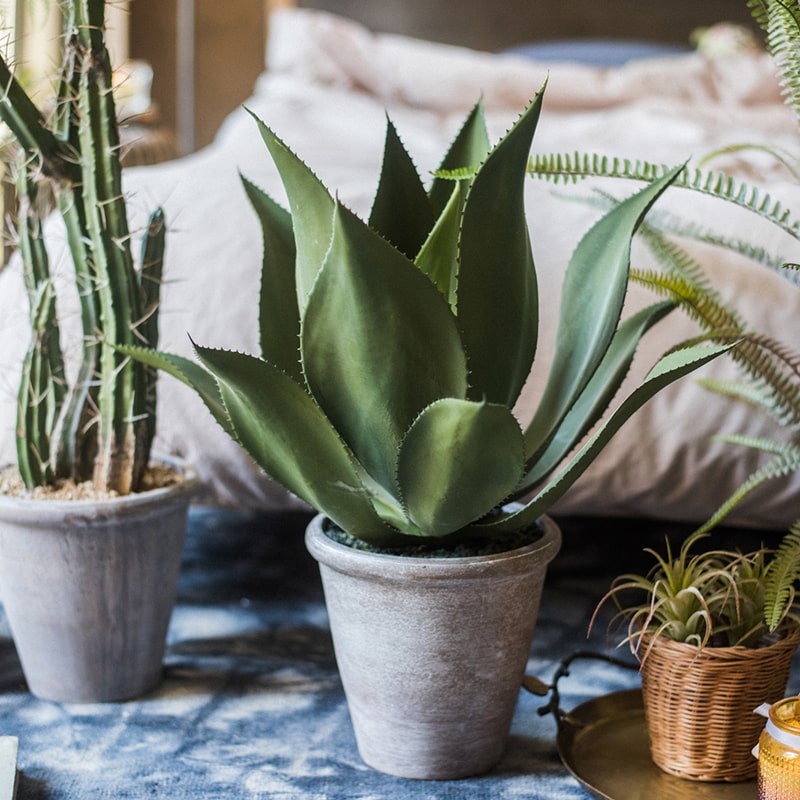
[[229, 43], [495, 25], [229, 36]]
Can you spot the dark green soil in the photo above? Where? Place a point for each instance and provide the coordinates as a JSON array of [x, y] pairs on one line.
[[438, 549]]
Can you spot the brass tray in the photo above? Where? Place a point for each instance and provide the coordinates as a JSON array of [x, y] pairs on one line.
[[603, 743]]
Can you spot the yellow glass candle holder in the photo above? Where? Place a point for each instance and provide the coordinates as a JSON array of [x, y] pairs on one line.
[[779, 752]]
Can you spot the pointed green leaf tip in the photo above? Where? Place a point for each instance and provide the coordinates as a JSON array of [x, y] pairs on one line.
[[312, 211], [497, 296], [279, 318], [438, 257], [467, 152], [401, 211]]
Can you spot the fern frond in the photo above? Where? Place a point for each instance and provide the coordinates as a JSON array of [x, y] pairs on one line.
[[764, 359], [699, 304], [673, 225], [783, 35], [787, 451], [782, 575], [781, 351], [781, 156], [786, 460], [754, 393], [577, 166], [760, 11], [457, 174], [678, 262]]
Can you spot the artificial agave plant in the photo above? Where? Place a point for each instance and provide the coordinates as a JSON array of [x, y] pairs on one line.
[[100, 426], [394, 350]]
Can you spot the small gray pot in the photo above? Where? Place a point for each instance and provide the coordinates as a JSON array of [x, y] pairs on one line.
[[432, 651], [88, 588]]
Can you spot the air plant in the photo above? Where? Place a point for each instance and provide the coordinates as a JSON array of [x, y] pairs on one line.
[[718, 598]]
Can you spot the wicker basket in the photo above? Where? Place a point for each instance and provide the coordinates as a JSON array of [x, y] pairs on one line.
[[699, 705]]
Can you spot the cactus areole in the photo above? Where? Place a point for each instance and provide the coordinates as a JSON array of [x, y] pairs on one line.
[[393, 350], [100, 426]]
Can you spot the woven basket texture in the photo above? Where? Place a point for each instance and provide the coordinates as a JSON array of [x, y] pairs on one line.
[[699, 704]]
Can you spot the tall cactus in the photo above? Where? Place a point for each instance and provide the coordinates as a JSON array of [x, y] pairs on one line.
[[101, 427]]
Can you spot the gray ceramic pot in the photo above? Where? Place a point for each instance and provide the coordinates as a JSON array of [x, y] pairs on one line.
[[431, 652], [88, 589]]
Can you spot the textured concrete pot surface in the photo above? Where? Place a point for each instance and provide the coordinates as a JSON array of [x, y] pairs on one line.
[[88, 588], [432, 651]]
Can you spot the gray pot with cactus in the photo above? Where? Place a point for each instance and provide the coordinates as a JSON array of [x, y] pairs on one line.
[[85, 430], [393, 351]]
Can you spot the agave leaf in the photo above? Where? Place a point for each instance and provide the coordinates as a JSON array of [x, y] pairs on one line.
[[593, 293], [458, 459], [497, 293], [274, 419], [187, 372], [597, 395], [374, 323], [279, 319], [668, 369], [469, 149], [312, 211], [438, 257], [401, 211]]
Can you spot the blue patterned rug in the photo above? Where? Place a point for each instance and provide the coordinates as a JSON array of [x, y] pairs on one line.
[[251, 705]]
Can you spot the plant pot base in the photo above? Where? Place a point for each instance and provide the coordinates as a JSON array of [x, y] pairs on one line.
[[432, 651], [88, 589], [699, 707]]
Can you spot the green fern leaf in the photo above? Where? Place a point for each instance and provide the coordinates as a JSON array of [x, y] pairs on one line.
[[782, 575], [785, 461], [566, 167], [783, 34]]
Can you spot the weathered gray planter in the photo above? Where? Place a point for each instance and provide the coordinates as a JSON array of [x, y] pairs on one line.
[[432, 651], [88, 589]]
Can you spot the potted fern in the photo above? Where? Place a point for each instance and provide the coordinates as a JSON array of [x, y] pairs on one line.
[[715, 633], [393, 351], [91, 533]]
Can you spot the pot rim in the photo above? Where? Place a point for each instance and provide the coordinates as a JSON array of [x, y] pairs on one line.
[[347, 560], [32, 506], [726, 653]]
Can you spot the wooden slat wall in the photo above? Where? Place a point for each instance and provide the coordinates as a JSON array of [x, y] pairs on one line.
[[228, 45], [229, 37], [492, 25]]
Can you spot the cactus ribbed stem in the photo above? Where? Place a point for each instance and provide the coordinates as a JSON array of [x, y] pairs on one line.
[[110, 254], [43, 385], [102, 426]]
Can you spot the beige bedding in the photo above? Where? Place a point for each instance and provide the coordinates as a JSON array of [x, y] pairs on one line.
[[326, 90]]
